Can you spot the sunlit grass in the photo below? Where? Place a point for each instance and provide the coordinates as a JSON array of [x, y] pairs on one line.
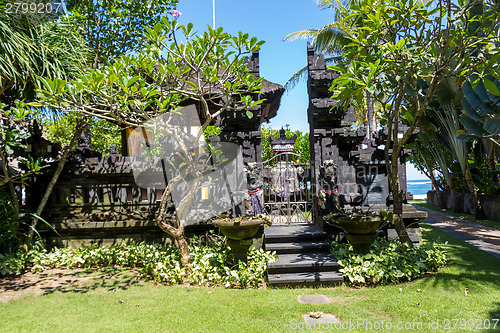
[[149, 307]]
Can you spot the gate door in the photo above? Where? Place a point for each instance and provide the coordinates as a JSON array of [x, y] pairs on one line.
[[287, 188]]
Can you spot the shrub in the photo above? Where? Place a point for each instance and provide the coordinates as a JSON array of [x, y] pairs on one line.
[[211, 265], [387, 262]]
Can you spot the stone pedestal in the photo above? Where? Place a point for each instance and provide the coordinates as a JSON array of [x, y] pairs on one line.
[[240, 248]]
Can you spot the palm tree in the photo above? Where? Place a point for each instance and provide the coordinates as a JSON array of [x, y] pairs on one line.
[[52, 49], [331, 40], [450, 125], [30, 50]]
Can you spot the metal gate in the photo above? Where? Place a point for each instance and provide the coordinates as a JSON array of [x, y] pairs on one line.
[[287, 188]]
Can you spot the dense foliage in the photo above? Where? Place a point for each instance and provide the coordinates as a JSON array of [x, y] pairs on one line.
[[211, 265], [401, 52], [114, 28], [387, 262]]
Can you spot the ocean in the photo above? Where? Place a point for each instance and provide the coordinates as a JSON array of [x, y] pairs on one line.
[[419, 187]]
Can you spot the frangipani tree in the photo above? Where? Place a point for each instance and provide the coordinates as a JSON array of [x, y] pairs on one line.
[[401, 47], [175, 68]]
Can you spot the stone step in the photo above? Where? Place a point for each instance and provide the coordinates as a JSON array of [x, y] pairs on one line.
[[298, 247], [295, 233], [303, 262], [305, 278]]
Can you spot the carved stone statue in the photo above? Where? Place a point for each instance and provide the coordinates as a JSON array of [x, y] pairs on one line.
[[328, 187], [255, 192]]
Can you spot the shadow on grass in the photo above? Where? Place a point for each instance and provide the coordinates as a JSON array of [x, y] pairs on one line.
[[494, 315], [468, 267], [71, 280]]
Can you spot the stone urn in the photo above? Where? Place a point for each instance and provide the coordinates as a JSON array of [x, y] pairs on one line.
[[240, 232], [239, 229], [360, 229]]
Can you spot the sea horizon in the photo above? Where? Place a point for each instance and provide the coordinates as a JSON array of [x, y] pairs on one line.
[[419, 187]]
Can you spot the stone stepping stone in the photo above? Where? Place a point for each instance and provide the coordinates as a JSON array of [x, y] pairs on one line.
[[313, 299], [327, 318]]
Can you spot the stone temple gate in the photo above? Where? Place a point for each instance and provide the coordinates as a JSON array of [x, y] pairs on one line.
[[96, 199]]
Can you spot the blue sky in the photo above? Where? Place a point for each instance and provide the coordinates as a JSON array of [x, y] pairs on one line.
[[270, 21]]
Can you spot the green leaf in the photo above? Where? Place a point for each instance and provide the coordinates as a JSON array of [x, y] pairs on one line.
[[491, 87], [409, 117]]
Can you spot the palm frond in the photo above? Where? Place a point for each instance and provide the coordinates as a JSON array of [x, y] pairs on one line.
[[450, 124], [52, 49], [330, 39], [296, 78], [340, 7], [302, 73]]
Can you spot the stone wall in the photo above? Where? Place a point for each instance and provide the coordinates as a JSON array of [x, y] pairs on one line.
[[491, 203], [96, 200], [360, 180]]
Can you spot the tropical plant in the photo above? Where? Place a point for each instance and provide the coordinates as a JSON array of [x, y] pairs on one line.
[[387, 262], [49, 46], [16, 170], [52, 48], [481, 106], [13, 228], [60, 129], [213, 264], [450, 126], [401, 44]]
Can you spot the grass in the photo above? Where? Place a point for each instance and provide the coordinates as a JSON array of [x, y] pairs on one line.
[[150, 307], [470, 217]]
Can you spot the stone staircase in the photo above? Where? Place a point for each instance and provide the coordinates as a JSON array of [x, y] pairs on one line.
[[303, 256]]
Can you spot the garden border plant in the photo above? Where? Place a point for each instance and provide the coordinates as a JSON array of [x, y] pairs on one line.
[[212, 265], [387, 262]]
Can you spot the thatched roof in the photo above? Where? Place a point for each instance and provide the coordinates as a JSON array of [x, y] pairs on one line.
[[272, 93]]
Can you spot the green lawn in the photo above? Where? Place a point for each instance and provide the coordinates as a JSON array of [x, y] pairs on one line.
[[470, 217], [148, 307]]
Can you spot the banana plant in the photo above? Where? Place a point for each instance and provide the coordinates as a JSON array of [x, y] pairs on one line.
[[481, 117]]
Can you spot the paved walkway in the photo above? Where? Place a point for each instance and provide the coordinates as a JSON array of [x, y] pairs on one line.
[[475, 234]]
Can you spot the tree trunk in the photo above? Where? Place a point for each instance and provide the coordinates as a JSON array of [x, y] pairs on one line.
[[480, 215], [184, 249], [176, 232], [180, 238], [492, 164], [397, 196], [55, 177], [372, 122]]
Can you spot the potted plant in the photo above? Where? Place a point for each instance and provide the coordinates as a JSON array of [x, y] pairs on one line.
[[241, 227], [360, 227], [239, 232]]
